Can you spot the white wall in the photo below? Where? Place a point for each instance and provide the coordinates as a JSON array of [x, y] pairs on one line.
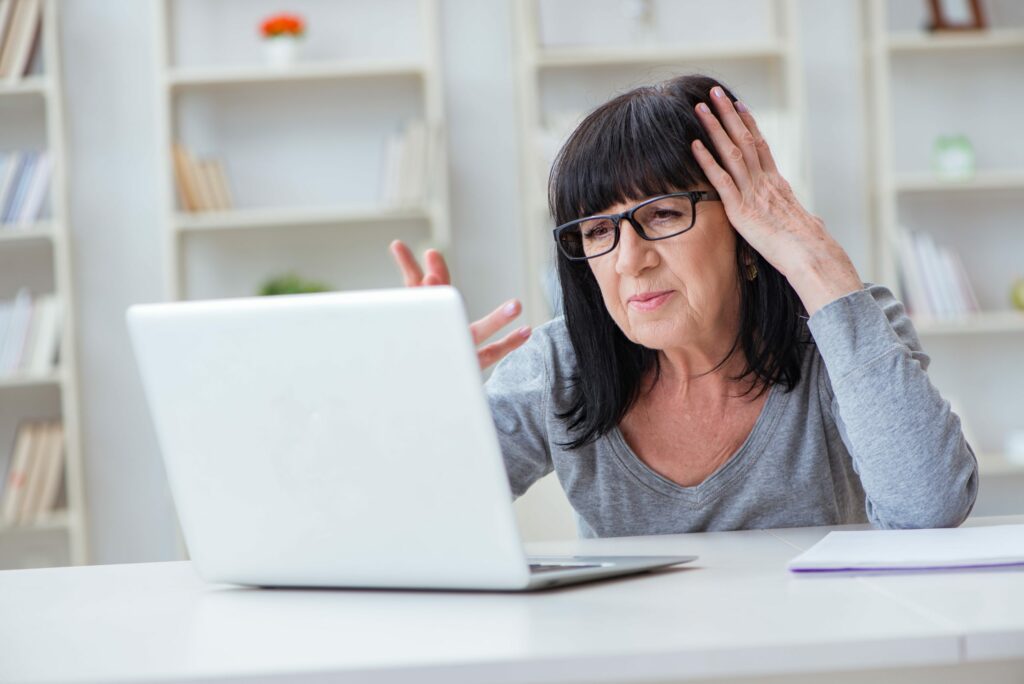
[[117, 241]]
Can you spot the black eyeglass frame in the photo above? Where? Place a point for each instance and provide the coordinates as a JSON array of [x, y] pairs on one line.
[[693, 195]]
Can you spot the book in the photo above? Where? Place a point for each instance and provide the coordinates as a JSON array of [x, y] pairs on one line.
[[53, 475], [407, 163], [6, 8], [33, 473], [21, 39], [36, 192], [13, 345], [14, 485], [187, 193], [913, 280], [222, 189], [9, 172], [928, 549], [934, 279], [43, 342], [41, 488], [202, 183], [21, 186]]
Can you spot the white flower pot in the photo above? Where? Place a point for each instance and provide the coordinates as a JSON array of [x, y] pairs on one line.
[[281, 51]]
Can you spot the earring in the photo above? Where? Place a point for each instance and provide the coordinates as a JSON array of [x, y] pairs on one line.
[[751, 271]]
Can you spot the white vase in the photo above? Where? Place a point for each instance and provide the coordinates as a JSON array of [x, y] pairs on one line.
[[281, 51]]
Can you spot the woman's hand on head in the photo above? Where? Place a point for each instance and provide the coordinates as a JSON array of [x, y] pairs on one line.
[[763, 208], [483, 329]]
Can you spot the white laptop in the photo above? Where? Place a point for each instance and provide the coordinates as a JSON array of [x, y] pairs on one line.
[[338, 440]]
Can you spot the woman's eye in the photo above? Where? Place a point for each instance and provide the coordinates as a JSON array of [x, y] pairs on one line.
[[666, 214], [597, 232]]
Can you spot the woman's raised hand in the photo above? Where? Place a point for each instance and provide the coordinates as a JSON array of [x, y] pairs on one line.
[[762, 207], [437, 274]]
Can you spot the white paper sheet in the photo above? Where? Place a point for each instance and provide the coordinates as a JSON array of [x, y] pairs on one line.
[[962, 547]]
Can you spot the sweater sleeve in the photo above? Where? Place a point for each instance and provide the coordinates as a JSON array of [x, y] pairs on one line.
[[916, 468], [518, 393]]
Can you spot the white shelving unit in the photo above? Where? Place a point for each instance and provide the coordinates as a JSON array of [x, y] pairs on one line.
[[39, 256], [759, 57], [922, 84], [217, 97]]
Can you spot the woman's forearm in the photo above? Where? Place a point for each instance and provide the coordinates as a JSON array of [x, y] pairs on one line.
[[906, 444]]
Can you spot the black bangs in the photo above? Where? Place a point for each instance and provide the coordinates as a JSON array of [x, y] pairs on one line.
[[634, 146]]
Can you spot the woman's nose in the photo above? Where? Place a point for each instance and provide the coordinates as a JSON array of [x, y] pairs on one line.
[[634, 254]]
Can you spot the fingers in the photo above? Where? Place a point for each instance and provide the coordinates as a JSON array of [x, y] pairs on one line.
[[407, 262], [492, 353], [494, 321], [737, 129], [764, 153], [437, 269], [719, 177], [733, 157]]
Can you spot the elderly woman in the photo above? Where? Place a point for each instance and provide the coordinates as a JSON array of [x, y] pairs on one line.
[[720, 365]]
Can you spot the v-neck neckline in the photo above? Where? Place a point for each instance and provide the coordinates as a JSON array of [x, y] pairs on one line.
[[722, 476]]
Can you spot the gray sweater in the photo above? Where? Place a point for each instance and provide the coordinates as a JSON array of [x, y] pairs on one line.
[[863, 437]]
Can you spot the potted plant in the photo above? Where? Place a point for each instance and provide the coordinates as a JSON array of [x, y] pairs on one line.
[[281, 36], [291, 283]]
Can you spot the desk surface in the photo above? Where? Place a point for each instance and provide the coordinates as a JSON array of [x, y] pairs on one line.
[[736, 611]]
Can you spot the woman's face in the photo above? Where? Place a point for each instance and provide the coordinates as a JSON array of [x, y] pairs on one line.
[[676, 292]]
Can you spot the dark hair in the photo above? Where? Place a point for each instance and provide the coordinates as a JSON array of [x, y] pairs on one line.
[[634, 146]]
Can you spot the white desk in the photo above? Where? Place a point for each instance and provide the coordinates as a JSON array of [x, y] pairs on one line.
[[734, 613]]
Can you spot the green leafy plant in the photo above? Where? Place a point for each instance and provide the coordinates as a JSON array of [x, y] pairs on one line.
[[292, 283]]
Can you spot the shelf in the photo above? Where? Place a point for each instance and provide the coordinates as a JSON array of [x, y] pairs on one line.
[[313, 71], [985, 39], [998, 465], [584, 56], [982, 180], [29, 85], [244, 219], [34, 231], [19, 381], [981, 323], [58, 520]]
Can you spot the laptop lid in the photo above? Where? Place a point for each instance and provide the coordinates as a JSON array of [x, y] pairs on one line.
[[338, 439]]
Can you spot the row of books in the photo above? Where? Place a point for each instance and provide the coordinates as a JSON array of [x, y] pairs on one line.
[[20, 23], [32, 487], [29, 334], [934, 280], [24, 180], [202, 183], [410, 158]]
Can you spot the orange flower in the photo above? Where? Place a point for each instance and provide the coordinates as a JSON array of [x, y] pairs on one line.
[[283, 24]]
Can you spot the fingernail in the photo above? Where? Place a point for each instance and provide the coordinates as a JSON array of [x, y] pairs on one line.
[[510, 309], [740, 107], [717, 92], [703, 107], [524, 331], [699, 144]]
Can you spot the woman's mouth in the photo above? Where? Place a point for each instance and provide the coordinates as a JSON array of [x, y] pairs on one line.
[[649, 301]]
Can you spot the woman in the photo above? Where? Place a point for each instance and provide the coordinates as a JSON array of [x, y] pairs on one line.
[[720, 364]]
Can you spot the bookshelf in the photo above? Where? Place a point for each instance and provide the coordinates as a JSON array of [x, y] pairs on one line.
[[303, 146], [560, 79], [922, 85], [37, 255]]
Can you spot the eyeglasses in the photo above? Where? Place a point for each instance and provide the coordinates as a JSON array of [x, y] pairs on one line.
[[657, 218]]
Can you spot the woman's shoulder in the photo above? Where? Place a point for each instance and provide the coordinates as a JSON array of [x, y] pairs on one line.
[[547, 357]]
